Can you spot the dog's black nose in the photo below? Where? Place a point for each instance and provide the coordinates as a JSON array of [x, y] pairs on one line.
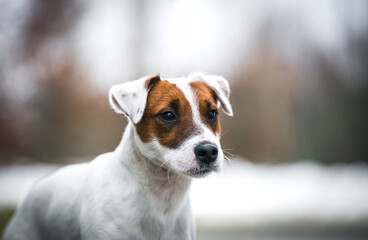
[[206, 152]]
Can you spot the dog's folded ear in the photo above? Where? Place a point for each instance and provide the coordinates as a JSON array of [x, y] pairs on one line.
[[130, 98], [220, 86]]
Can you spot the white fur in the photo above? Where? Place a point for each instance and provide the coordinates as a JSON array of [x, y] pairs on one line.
[[139, 191], [129, 98]]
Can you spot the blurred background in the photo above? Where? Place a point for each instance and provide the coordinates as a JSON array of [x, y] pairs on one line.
[[298, 71]]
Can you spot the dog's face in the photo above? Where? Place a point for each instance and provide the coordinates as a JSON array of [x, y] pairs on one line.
[[176, 120]]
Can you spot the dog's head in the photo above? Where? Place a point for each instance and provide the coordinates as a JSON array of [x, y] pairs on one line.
[[176, 120]]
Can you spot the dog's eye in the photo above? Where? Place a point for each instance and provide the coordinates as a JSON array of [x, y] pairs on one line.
[[212, 115], [168, 116]]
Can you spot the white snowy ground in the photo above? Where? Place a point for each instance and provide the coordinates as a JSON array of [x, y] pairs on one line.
[[246, 195]]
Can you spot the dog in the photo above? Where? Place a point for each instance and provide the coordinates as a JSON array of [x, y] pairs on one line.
[[141, 190]]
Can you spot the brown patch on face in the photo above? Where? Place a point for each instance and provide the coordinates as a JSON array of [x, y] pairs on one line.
[[166, 97], [207, 101]]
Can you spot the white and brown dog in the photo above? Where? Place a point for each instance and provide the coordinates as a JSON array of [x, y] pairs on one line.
[[139, 191]]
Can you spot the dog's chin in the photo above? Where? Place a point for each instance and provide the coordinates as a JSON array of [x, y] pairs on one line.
[[200, 172]]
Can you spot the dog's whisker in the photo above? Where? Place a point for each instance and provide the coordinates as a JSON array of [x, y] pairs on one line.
[[224, 132], [229, 161], [162, 165], [168, 175], [228, 153]]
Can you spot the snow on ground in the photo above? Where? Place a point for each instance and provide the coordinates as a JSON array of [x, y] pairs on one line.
[[15, 181], [248, 195]]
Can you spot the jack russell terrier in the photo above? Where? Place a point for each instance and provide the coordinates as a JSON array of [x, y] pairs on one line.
[[141, 190]]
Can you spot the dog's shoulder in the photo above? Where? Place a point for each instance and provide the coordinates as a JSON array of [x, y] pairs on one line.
[[67, 187], [71, 179]]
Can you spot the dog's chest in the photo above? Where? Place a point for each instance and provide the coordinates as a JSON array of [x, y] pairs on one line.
[[129, 211], [136, 220]]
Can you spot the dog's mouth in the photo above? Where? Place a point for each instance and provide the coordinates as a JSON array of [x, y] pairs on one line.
[[199, 172]]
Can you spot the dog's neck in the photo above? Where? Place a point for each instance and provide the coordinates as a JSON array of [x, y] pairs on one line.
[[164, 186]]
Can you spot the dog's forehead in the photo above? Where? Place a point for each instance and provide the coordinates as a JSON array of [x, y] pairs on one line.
[[169, 89], [183, 84], [191, 88], [172, 90]]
